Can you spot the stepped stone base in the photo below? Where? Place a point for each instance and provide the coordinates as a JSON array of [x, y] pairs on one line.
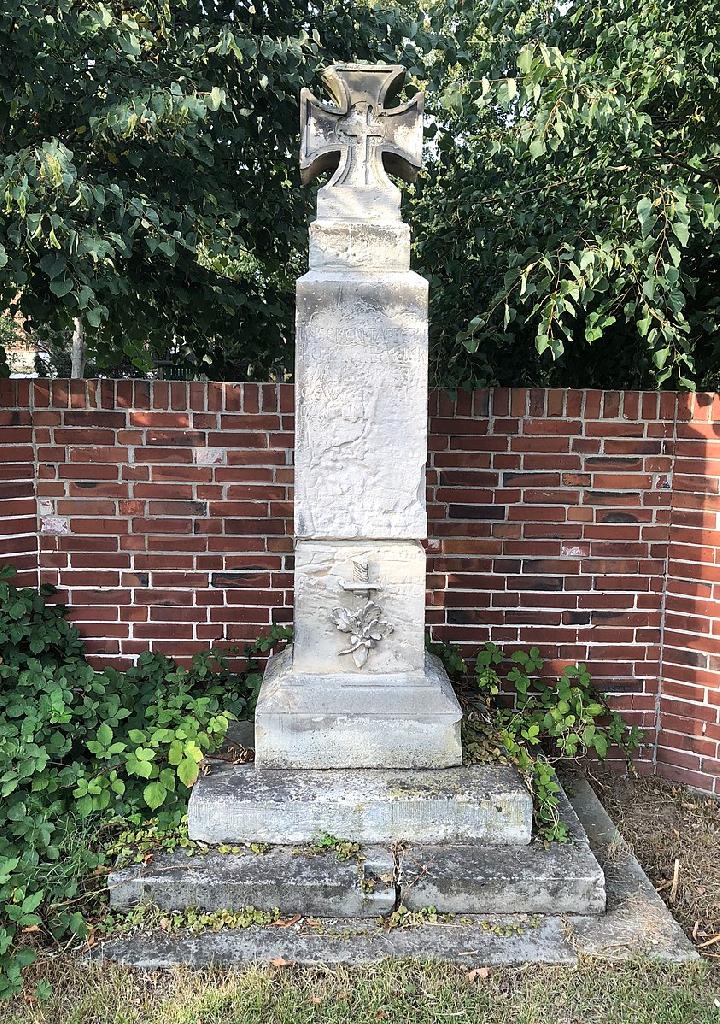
[[480, 879], [636, 923], [480, 804], [356, 720], [552, 878]]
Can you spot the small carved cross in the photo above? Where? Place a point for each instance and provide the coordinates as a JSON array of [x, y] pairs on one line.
[[359, 138]]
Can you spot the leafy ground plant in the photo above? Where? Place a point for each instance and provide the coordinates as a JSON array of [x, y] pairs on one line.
[[549, 720], [81, 750]]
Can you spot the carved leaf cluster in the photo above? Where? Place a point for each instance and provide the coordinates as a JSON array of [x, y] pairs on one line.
[[366, 628]]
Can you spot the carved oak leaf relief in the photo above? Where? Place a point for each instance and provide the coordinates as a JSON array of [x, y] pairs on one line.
[[366, 628]]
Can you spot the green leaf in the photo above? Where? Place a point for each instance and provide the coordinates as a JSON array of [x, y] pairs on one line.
[[154, 795], [94, 316], [524, 61], [216, 98], [660, 357], [61, 286], [188, 771], [105, 734], [32, 902], [175, 753], [600, 744], [77, 924], [681, 232], [43, 991], [644, 209]]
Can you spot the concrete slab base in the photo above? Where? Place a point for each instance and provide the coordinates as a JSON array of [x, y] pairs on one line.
[[480, 941], [477, 804], [636, 923], [637, 920], [295, 881]]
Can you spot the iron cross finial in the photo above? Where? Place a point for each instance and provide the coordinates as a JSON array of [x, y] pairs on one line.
[[359, 138]]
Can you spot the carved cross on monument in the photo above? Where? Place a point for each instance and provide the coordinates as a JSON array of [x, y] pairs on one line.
[[359, 138]]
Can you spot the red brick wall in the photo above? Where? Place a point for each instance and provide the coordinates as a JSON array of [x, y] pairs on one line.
[[689, 723], [18, 519], [583, 522]]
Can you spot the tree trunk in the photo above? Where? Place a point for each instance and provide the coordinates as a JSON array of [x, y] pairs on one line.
[[77, 352]]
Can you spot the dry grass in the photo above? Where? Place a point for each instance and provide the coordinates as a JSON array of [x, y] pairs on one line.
[[675, 834], [397, 992]]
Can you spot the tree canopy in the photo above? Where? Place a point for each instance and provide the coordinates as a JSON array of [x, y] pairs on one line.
[[149, 170], [568, 216], [570, 212]]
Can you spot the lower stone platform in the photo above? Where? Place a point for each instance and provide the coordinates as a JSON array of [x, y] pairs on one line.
[[372, 881], [312, 883], [486, 804]]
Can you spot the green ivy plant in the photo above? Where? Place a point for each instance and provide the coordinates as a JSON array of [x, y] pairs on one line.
[[81, 748], [549, 720]]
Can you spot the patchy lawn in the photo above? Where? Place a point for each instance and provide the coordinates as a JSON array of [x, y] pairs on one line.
[[675, 834], [400, 992]]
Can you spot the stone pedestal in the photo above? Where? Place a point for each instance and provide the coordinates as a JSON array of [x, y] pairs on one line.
[[357, 690], [356, 720]]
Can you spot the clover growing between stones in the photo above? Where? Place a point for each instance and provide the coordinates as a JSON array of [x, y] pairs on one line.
[[366, 628]]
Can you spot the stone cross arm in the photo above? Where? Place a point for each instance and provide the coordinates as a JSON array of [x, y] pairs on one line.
[[358, 137]]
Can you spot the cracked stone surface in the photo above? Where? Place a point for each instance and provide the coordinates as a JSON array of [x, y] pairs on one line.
[[357, 245], [293, 880], [344, 720], [637, 921], [457, 879], [484, 941], [239, 803], [361, 416], [541, 878]]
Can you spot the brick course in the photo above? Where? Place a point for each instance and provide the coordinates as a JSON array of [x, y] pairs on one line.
[[582, 522]]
